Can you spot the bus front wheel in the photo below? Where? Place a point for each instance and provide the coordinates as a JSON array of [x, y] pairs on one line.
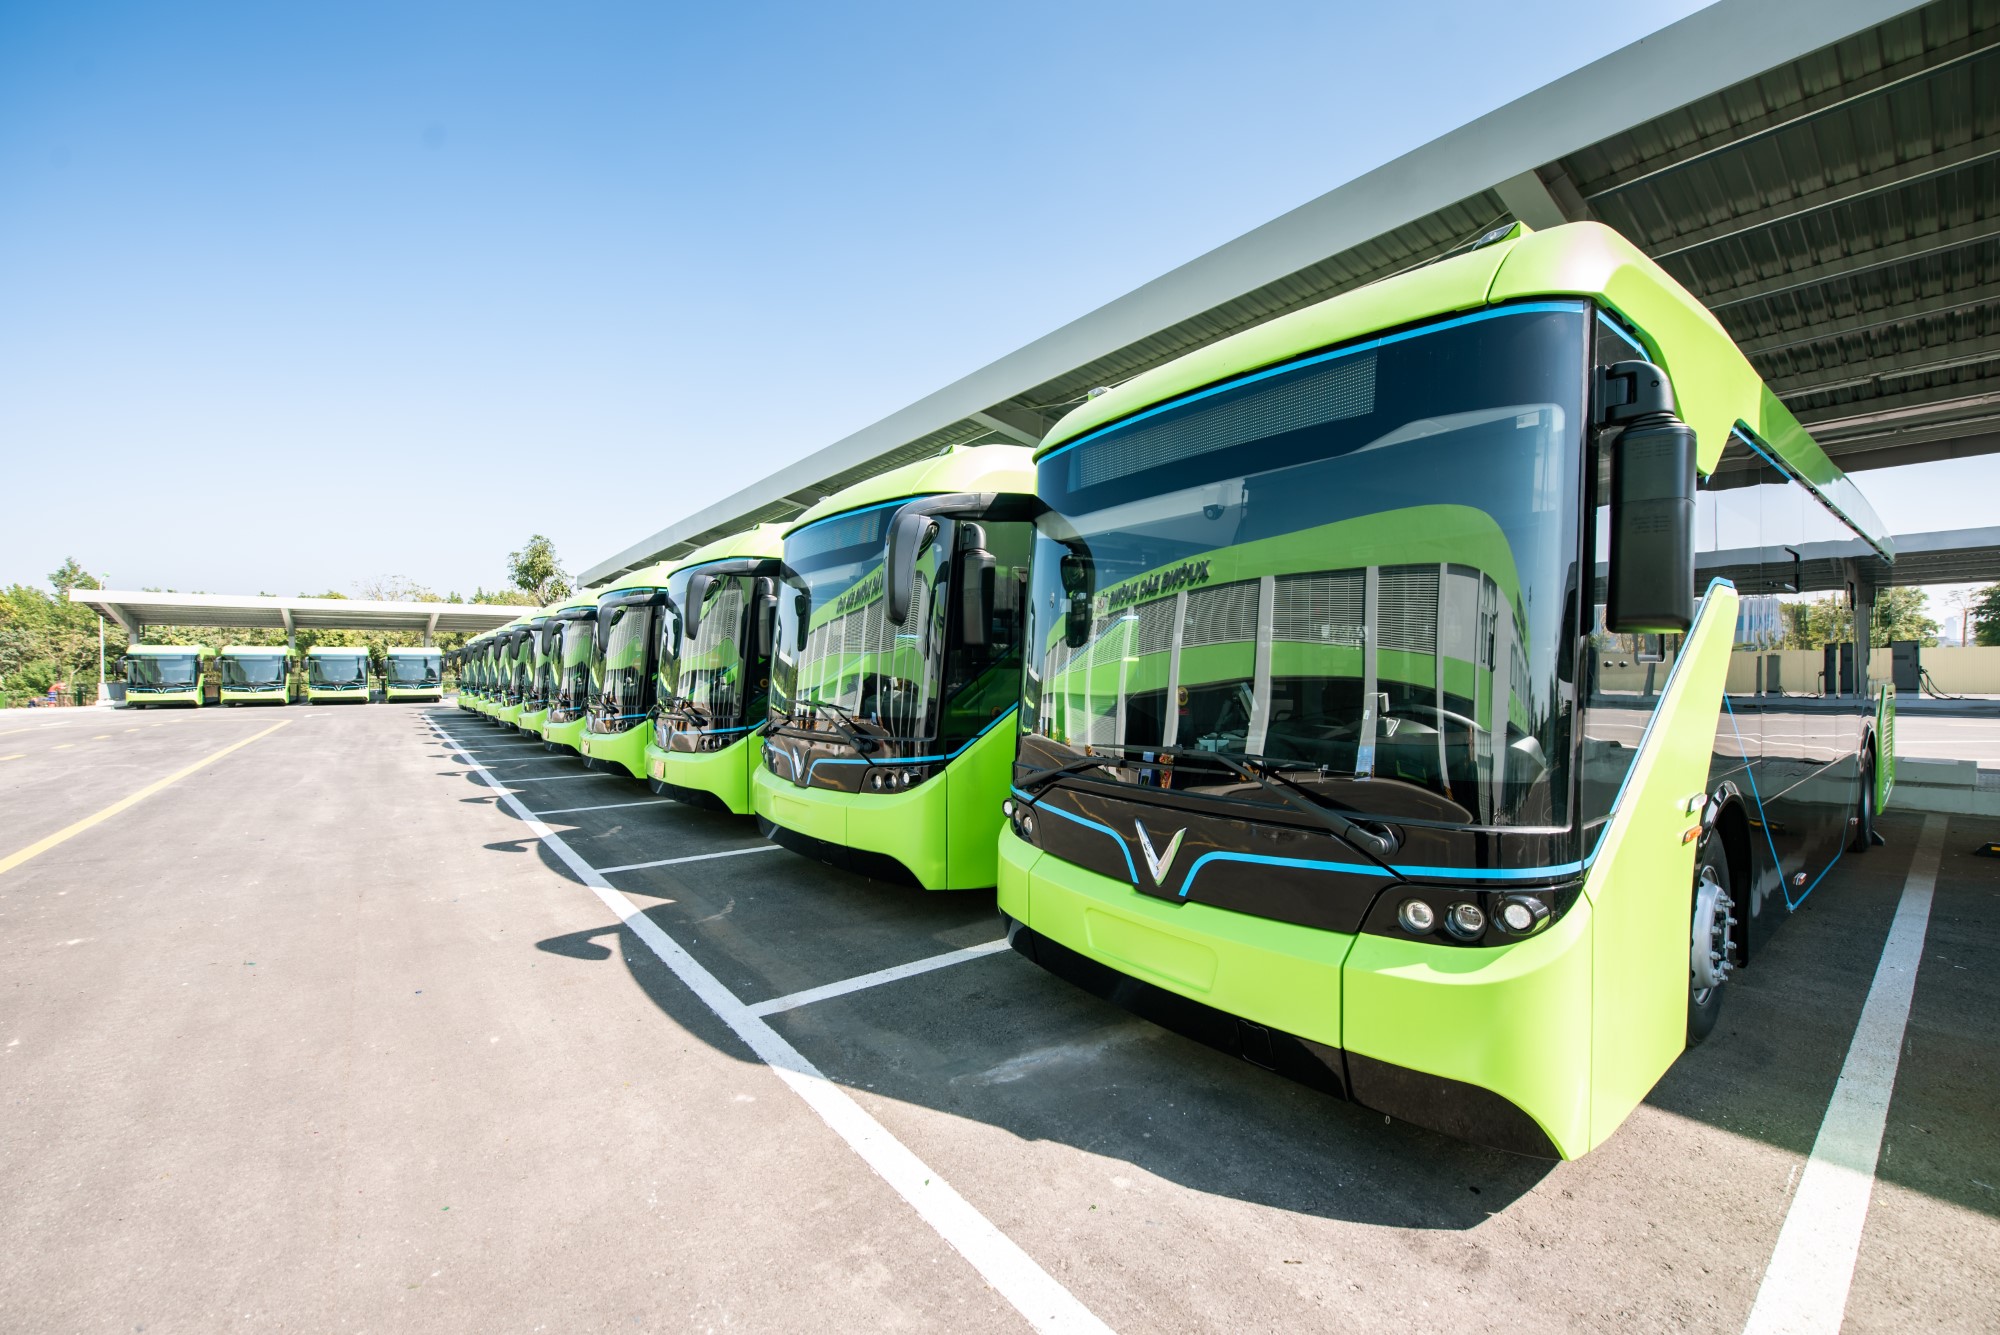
[[1711, 939], [1864, 807]]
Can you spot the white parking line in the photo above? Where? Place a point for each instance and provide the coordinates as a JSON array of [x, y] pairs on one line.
[[1805, 1286], [1037, 1295], [606, 806], [552, 778], [860, 982], [692, 857]]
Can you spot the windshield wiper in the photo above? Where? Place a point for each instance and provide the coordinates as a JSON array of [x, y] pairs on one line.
[[1042, 778], [1262, 772], [862, 743]]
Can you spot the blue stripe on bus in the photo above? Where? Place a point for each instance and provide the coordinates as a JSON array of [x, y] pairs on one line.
[[913, 760], [1131, 872]]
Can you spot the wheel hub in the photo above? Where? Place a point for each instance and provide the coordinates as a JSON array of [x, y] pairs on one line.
[[1710, 947]]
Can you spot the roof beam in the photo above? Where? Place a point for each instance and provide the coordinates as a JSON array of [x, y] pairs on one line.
[[1529, 198], [997, 420], [1909, 406], [1845, 93], [1860, 322], [1954, 159], [1881, 257], [1917, 361]]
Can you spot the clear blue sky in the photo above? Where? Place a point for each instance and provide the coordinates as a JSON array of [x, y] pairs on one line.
[[302, 295]]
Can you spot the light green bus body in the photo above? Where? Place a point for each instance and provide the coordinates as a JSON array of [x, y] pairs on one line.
[[568, 671], [941, 831], [164, 674], [246, 674], [534, 718], [325, 663], [1551, 1039], [421, 662], [723, 770]]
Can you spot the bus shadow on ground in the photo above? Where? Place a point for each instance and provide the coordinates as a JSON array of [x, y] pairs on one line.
[[999, 1042]]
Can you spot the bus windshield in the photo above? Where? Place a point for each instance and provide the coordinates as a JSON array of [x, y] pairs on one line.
[[253, 671], [702, 680], [620, 676], [1355, 571], [163, 671], [412, 670], [337, 669], [838, 655]]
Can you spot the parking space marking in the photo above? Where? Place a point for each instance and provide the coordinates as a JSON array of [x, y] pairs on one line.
[[861, 982], [692, 857], [552, 778], [16, 756], [40, 846], [606, 806], [1038, 1296], [1806, 1283]]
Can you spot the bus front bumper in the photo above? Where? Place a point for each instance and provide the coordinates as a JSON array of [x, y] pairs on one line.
[[906, 829], [1490, 1046], [393, 693], [133, 697], [276, 696], [617, 750], [568, 734], [723, 775], [357, 695], [533, 721]]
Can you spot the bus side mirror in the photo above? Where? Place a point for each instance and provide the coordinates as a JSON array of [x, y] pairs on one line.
[[908, 532], [764, 625], [1079, 581], [1651, 585], [975, 584], [699, 584]]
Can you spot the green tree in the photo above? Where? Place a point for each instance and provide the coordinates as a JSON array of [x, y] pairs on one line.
[[1899, 615], [536, 571], [1982, 617]]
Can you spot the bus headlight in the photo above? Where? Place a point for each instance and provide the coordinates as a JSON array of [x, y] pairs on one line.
[[1465, 921], [1522, 915], [1416, 917]]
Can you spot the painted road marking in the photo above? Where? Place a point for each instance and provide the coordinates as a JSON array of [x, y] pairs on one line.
[[605, 806], [16, 756], [1805, 1286], [13, 860], [861, 982], [693, 857], [552, 778], [1035, 1294]]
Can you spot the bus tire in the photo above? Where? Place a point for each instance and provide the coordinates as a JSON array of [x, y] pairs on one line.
[[1710, 933], [1864, 804]]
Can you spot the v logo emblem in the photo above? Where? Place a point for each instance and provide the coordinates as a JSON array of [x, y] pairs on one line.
[[1158, 863]]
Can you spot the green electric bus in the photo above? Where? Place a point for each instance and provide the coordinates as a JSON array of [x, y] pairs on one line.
[[542, 680], [493, 653], [624, 673], [163, 674], [1395, 715], [413, 674], [714, 655], [897, 661], [517, 665], [337, 674], [255, 674], [569, 640]]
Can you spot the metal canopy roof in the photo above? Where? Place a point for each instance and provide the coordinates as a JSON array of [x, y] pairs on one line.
[[1826, 177], [1955, 556], [136, 610]]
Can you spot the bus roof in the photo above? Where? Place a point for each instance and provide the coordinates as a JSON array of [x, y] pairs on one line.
[[764, 540], [142, 650], [962, 468], [427, 652], [338, 649], [254, 649], [1715, 386]]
